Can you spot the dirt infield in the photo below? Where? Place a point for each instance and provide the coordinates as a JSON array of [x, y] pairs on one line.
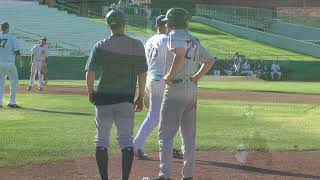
[[213, 165]]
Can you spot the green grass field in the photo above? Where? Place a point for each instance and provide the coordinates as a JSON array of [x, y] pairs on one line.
[[265, 86], [52, 127], [224, 45]]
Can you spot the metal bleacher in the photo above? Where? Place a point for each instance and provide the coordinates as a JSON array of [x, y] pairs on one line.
[[67, 34]]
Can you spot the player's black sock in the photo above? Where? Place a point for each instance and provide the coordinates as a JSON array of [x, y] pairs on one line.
[[127, 159], [102, 162]]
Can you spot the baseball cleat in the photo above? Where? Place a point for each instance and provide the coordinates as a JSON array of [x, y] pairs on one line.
[[177, 154], [154, 178], [29, 88], [14, 106], [141, 155], [40, 88], [188, 178]]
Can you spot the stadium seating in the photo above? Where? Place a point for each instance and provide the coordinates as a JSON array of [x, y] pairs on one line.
[[65, 32]]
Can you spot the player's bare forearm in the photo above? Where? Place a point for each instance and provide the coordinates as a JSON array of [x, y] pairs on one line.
[[204, 69], [177, 62], [90, 77], [138, 104], [141, 84]]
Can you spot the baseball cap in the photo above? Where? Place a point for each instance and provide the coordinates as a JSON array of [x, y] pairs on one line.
[[160, 21], [5, 25], [43, 38], [115, 17]]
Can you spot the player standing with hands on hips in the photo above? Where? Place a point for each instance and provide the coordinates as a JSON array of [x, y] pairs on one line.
[[9, 50], [120, 61], [178, 109]]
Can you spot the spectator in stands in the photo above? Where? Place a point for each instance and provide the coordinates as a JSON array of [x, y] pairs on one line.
[[246, 69], [262, 71], [216, 71], [228, 70], [275, 70], [237, 63]]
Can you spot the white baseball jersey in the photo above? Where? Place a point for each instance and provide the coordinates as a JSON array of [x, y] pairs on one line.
[[40, 53], [246, 66], [8, 45], [275, 68], [156, 50]]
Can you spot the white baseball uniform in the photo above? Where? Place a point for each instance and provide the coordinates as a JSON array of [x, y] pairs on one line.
[[40, 54], [156, 51], [8, 47], [275, 69]]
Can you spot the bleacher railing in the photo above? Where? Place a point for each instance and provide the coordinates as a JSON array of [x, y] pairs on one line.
[[249, 17], [58, 48], [62, 5], [258, 18]]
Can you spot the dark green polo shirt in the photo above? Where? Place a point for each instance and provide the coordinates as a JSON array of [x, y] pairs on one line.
[[117, 61]]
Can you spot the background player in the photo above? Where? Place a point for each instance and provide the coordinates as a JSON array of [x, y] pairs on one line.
[[39, 54], [9, 49], [119, 60], [178, 109]]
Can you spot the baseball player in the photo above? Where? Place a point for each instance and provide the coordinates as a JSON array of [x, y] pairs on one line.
[[155, 50], [119, 60], [9, 49], [39, 54], [178, 109]]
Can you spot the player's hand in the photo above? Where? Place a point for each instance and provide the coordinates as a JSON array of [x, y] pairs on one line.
[[92, 96], [138, 104], [195, 79], [167, 79]]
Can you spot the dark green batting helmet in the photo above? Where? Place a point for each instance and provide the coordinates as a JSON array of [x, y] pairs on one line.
[[115, 17], [177, 18]]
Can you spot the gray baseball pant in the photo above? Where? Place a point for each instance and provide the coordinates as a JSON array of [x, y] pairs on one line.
[[178, 111], [122, 114]]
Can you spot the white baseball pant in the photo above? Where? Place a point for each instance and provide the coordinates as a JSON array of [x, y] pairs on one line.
[[8, 69], [36, 68], [156, 89]]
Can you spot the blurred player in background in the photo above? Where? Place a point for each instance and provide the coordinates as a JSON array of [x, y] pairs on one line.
[[39, 54]]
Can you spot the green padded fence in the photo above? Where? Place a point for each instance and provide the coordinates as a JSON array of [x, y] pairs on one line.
[[296, 70], [73, 68], [59, 68]]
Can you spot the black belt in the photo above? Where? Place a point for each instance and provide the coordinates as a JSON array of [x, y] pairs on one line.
[[158, 79], [176, 81]]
